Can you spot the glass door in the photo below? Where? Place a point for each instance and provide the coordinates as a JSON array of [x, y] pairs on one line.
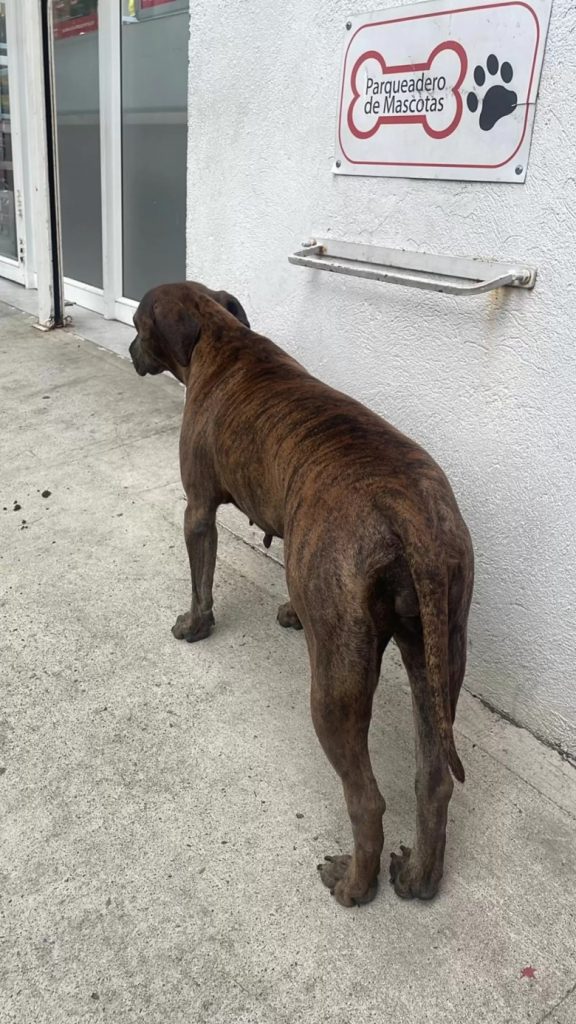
[[76, 49], [154, 54], [12, 225], [116, 195], [121, 78]]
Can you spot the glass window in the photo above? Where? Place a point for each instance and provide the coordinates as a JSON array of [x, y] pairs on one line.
[[154, 131], [78, 124], [8, 243]]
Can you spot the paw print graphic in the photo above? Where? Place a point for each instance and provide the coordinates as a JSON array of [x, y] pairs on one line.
[[498, 101]]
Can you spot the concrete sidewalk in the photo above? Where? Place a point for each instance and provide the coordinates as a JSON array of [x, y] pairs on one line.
[[164, 806]]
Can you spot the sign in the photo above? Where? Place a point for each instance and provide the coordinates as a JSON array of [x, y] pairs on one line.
[[441, 90]]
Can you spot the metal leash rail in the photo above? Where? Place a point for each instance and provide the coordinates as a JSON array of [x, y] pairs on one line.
[[449, 274]]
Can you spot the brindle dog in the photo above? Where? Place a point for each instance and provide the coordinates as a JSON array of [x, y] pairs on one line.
[[375, 549]]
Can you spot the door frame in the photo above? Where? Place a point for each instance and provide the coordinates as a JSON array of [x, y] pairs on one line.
[[31, 100], [79, 292], [109, 300], [116, 305], [17, 269]]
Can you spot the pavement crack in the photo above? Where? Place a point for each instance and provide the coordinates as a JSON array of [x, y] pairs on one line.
[[557, 1005]]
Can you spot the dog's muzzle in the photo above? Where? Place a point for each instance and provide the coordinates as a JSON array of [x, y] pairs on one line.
[[136, 357]]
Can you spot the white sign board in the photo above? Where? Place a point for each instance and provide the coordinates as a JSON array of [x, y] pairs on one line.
[[441, 90]]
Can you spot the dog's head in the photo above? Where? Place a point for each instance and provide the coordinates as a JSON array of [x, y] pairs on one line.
[[169, 322]]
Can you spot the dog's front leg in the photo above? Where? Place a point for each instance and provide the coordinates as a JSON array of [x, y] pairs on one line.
[[201, 539]]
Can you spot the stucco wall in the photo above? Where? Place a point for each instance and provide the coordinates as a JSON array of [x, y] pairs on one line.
[[488, 385]]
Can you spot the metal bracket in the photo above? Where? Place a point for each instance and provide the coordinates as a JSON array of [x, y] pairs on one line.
[[450, 274], [51, 325]]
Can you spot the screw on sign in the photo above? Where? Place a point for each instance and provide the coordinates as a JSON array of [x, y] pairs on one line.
[[441, 90]]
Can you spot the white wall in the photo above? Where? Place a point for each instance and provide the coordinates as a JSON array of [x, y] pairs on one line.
[[488, 385]]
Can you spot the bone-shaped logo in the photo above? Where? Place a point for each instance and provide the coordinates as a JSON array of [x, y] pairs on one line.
[[427, 94]]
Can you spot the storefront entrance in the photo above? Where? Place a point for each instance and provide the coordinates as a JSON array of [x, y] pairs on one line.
[[120, 98]]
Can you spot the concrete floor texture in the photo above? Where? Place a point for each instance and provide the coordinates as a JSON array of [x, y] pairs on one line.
[[164, 805]]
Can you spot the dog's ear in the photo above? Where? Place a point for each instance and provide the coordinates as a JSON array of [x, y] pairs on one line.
[[179, 328], [233, 306]]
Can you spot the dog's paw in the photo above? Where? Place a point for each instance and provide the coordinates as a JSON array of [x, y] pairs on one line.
[[335, 874], [406, 881], [287, 617], [187, 628]]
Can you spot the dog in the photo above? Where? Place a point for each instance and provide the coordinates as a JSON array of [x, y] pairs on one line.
[[375, 549]]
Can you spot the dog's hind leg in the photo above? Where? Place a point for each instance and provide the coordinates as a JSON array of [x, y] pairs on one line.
[[201, 539], [344, 678], [417, 872]]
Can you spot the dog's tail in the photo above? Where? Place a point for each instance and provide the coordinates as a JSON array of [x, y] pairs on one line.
[[431, 583]]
